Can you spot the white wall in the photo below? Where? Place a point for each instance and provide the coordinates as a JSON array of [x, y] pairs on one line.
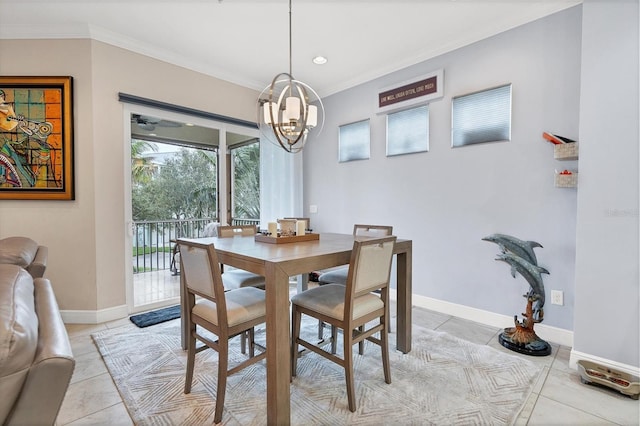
[[66, 227], [447, 199], [606, 317], [86, 237]]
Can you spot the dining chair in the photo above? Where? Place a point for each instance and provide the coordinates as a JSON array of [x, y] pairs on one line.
[[339, 275], [351, 307], [223, 313], [238, 278]]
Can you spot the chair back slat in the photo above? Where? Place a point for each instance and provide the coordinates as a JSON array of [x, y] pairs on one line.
[[371, 265], [372, 230], [225, 231]]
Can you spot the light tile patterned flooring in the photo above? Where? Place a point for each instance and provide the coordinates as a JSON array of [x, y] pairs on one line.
[[155, 287], [557, 399]]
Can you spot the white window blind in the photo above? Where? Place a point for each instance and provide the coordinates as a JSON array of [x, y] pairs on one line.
[[354, 141], [480, 117], [408, 131]]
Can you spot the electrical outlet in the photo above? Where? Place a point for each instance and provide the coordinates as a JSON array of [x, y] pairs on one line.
[[557, 297]]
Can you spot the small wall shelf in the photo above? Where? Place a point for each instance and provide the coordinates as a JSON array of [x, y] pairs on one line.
[[566, 151], [566, 180]]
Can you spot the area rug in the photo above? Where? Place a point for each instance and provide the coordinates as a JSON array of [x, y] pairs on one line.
[[156, 317], [442, 381]]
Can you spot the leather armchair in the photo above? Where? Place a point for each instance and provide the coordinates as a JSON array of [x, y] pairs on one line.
[[26, 253], [36, 362]]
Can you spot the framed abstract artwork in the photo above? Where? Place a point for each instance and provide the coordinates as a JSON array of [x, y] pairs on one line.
[[36, 138]]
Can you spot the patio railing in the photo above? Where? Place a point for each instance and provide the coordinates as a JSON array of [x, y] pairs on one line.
[[154, 240]]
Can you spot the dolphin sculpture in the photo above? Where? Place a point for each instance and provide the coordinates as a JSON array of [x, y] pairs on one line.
[[533, 274], [523, 249]]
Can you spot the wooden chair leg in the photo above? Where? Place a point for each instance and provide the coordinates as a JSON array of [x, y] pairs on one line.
[[191, 356], [334, 339], [361, 343], [348, 370], [296, 318], [223, 367], [388, 316], [320, 330], [243, 343], [384, 340], [252, 337]]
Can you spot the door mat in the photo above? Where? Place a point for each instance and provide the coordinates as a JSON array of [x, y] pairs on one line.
[[156, 317]]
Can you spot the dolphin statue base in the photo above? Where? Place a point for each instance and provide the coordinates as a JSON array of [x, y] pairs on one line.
[[522, 338]]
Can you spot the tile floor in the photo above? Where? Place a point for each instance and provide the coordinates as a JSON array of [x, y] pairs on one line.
[[151, 288], [557, 399]]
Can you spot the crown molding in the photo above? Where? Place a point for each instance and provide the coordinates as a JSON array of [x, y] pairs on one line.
[[39, 32], [97, 33]]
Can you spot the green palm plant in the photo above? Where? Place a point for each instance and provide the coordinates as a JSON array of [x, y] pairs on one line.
[[142, 169], [246, 188]]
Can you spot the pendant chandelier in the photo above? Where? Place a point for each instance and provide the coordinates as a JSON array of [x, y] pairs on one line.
[[288, 109]]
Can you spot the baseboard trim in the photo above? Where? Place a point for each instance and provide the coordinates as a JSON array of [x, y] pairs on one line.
[[614, 365], [94, 317], [551, 334]]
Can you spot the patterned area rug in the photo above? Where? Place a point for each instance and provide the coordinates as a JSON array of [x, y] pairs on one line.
[[442, 381]]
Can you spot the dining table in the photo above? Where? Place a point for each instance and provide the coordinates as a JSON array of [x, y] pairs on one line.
[[277, 263]]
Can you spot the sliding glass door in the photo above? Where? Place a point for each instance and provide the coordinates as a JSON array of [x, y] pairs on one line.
[[185, 172]]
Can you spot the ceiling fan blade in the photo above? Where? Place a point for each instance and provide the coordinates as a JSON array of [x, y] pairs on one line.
[[167, 123], [147, 126]]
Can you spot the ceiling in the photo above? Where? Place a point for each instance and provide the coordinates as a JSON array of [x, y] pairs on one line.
[[247, 41]]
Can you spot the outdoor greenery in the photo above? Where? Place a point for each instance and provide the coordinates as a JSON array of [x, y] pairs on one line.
[[246, 178], [137, 251], [184, 186]]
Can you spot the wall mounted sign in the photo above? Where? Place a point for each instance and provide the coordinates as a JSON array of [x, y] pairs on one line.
[[36, 138], [410, 93]]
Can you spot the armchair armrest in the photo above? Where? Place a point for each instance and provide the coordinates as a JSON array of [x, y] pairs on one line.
[[39, 264]]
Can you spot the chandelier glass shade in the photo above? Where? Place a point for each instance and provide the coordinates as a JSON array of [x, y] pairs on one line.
[[288, 109]]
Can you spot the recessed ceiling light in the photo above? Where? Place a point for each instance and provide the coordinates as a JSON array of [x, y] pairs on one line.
[[319, 60], [189, 124]]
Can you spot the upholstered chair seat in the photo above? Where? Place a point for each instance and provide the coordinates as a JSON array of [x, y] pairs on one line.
[[237, 278], [329, 300], [243, 305]]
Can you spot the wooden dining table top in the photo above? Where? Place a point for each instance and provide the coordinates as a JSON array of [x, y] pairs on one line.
[[253, 254]]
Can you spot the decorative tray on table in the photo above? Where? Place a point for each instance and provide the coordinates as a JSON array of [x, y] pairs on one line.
[[289, 239]]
